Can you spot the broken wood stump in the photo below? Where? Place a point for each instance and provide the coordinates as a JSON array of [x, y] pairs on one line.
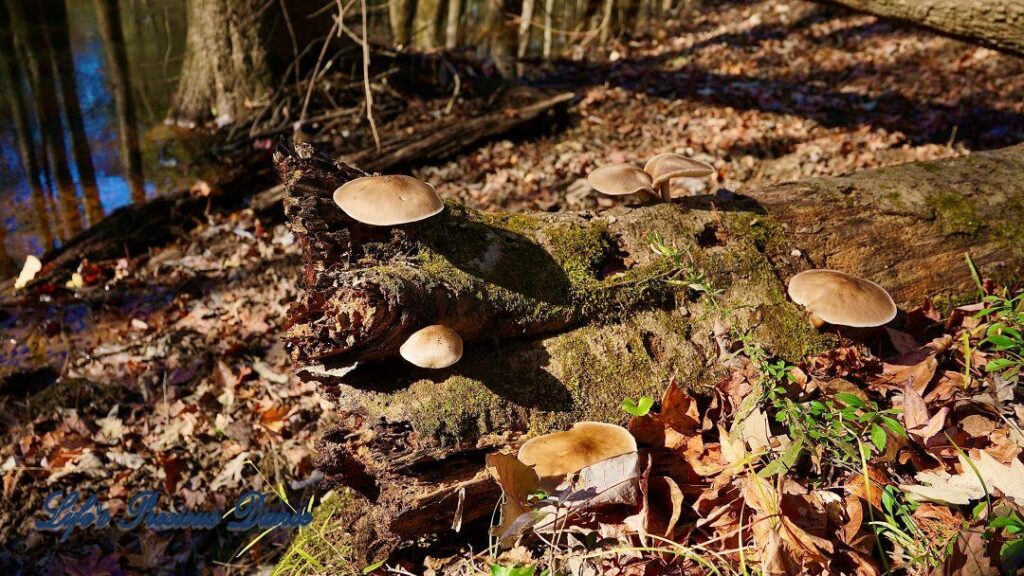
[[565, 315]]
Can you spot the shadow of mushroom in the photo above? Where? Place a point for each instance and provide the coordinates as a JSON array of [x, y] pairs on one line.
[[498, 256]]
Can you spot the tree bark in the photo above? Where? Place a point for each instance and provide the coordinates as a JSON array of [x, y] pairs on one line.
[[566, 314], [452, 25], [525, 24], [549, 9], [428, 14], [13, 79], [56, 16], [400, 17], [109, 21], [225, 64], [997, 24], [500, 39]]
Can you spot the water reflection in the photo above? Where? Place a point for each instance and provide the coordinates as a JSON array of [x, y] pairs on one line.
[[79, 83]]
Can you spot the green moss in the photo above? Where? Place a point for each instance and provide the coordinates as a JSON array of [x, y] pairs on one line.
[[323, 546], [1009, 226], [455, 409], [954, 213]]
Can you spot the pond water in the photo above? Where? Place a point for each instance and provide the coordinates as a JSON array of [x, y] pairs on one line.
[[34, 218]]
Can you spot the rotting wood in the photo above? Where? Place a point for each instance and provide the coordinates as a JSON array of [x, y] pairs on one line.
[[564, 315]]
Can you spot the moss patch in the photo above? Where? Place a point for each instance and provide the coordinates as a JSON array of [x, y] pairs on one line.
[[955, 214]]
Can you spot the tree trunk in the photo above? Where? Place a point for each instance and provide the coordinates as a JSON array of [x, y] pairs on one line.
[[56, 16], [566, 314], [549, 9], [451, 29], [428, 14], [13, 79], [997, 24], [400, 17], [525, 24], [108, 19], [40, 65], [501, 41], [225, 64]]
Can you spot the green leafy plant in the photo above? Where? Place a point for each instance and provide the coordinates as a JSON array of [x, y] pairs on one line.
[[845, 423], [1011, 553], [683, 272], [1005, 334], [502, 570], [897, 525], [639, 407]]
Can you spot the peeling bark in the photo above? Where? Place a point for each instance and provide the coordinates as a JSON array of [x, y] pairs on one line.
[[564, 315]]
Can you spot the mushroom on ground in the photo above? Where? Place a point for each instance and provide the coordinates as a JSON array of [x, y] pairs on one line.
[[556, 455], [620, 180], [436, 346], [664, 167], [388, 200], [837, 298]]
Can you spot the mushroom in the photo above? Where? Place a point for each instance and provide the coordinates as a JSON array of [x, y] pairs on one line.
[[556, 455], [388, 200], [620, 180], [837, 298], [664, 167], [436, 346]]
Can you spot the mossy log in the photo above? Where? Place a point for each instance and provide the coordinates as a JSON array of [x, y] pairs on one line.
[[566, 314]]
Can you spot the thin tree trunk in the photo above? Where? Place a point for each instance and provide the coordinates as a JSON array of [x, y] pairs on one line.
[[225, 62], [525, 26], [107, 16], [606, 20], [57, 32], [566, 314], [428, 14], [451, 30], [549, 9], [13, 79], [400, 17], [501, 40], [40, 65], [997, 24]]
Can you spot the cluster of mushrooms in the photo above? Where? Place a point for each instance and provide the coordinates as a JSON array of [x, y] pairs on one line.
[[831, 297], [654, 181], [395, 201]]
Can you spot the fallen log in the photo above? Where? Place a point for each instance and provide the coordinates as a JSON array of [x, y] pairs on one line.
[[564, 315], [996, 24], [132, 230]]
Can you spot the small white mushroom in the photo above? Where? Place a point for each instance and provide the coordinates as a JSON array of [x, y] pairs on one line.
[[664, 167], [436, 346], [620, 180], [556, 455]]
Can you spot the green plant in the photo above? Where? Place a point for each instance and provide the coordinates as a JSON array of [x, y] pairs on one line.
[[1004, 335], [684, 272], [849, 426], [1011, 553], [897, 525], [502, 570], [639, 407]]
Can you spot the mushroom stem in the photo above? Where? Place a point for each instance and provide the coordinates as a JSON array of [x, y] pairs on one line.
[[817, 322], [665, 189]]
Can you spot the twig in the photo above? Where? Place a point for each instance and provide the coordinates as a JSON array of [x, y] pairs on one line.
[[295, 43], [366, 81], [316, 74]]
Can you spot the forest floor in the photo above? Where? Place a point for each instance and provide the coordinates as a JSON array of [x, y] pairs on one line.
[[167, 372]]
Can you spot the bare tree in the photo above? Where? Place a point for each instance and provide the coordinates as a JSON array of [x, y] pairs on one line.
[[424, 24], [13, 79], [454, 19], [120, 80], [56, 31], [400, 17]]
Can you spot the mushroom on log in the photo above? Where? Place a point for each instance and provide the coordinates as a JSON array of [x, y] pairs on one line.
[[565, 315]]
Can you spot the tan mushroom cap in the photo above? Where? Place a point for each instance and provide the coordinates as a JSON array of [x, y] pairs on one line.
[[620, 179], [388, 200], [841, 299], [555, 455], [669, 165], [436, 346]]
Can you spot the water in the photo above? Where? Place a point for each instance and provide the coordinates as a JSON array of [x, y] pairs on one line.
[[153, 33]]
